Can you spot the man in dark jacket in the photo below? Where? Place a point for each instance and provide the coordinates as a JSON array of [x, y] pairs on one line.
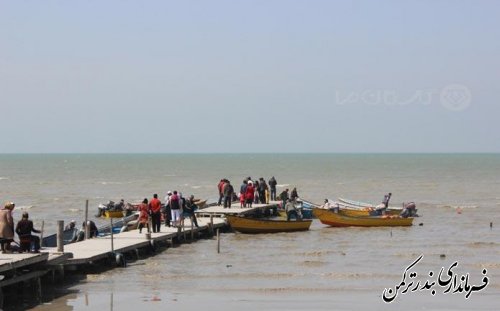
[[272, 186], [228, 194], [23, 229]]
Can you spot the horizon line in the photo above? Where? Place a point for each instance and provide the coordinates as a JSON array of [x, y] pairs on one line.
[[246, 153]]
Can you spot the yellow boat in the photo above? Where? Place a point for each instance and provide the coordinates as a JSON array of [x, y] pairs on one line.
[[333, 219], [253, 225], [113, 214]]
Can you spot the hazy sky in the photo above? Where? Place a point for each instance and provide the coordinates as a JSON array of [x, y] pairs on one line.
[[249, 76]]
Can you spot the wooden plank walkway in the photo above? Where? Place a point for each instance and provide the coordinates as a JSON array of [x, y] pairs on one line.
[[99, 248], [234, 210], [12, 261]]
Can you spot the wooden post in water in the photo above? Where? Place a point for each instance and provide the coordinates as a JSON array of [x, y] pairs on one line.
[[212, 224], [41, 233], [218, 242], [87, 227], [60, 241], [183, 230], [112, 242], [192, 229]]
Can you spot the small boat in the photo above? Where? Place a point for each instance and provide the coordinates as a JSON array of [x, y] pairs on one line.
[[113, 214], [76, 235], [69, 236], [329, 217], [254, 225]]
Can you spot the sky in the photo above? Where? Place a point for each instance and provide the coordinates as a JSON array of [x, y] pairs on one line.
[[264, 76]]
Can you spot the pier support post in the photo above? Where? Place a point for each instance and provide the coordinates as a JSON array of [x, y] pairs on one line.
[[37, 289], [60, 241], [112, 238], [41, 233], [87, 227], [192, 230], [179, 233], [211, 227], [218, 242]]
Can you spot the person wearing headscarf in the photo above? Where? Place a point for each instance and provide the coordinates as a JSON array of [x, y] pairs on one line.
[[6, 226]]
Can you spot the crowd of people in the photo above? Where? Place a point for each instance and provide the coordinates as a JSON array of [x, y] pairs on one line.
[[251, 191], [173, 210]]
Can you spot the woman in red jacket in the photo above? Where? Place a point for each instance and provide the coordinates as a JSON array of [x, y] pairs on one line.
[[249, 194]]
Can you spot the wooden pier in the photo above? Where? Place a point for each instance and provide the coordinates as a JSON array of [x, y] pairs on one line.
[[20, 268], [235, 209]]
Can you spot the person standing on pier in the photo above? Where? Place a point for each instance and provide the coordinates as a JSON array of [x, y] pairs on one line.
[[272, 187], [175, 206], [284, 197], [294, 195], [228, 194], [249, 194], [6, 226], [220, 186], [155, 207], [243, 191], [262, 190], [144, 215], [24, 229], [167, 215], [256, 199]]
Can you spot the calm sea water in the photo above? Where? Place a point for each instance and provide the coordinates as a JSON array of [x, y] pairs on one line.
[[326, 268]]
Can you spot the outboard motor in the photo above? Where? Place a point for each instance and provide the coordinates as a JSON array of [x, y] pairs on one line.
[[409, 210]]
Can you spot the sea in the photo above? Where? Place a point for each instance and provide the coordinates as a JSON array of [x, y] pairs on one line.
[[325, 268]]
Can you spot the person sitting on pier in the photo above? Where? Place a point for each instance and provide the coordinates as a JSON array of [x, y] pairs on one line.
[[6, 226], [291, 210], [24, 229]]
